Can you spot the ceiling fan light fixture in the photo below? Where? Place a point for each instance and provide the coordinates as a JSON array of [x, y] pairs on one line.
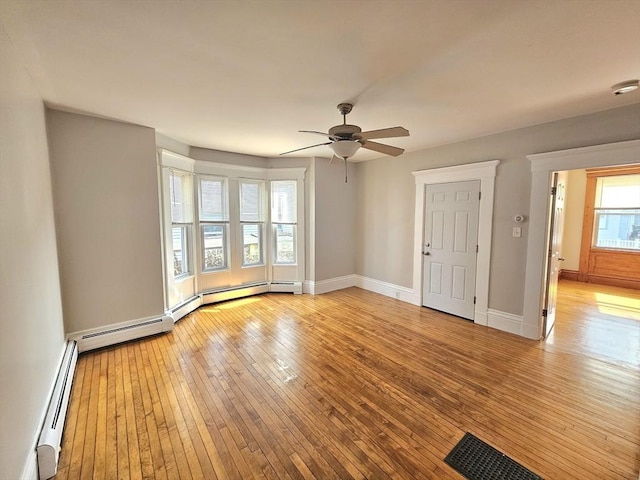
[[345, 148], [624, 87]]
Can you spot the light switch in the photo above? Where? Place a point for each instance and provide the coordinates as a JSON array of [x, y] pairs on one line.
[[517, 232]]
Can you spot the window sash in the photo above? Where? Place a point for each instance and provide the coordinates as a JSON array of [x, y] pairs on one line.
[[284, 243], [251, 200], [616, 228], [252, 243], [180, 196], [214, 249], [180, 240], [284, 199], [213, 201]]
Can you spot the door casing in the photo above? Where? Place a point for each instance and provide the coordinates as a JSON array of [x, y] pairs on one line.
[[486, 173], [542, 167]]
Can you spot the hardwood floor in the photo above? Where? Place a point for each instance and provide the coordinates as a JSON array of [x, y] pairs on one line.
[[352, 384]]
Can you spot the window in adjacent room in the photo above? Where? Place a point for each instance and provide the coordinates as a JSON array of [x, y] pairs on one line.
[[617, 212]]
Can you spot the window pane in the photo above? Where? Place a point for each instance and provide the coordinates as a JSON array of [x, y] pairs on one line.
[[213, 200], [251, 198], [252, 244], [180, 251], [620, 191], [617, 229], [283, 201], [214, 247], [180, 196], [285, 243]]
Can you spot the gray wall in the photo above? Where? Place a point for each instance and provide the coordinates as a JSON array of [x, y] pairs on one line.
[[31, 327], [105, 188], [385, 196], [335, 213]]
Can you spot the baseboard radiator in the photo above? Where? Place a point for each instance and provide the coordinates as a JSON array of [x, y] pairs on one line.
[[286, 287], [122, 332], [222, 295], [48, 449]]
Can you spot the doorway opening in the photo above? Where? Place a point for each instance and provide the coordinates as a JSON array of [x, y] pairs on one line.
[[543, 167]]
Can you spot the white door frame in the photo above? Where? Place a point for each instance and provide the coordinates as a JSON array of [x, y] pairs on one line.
[[542, 167], [486, 173]]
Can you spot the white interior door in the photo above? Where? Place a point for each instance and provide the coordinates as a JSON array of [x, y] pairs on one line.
[[450, 247], [554, 258]]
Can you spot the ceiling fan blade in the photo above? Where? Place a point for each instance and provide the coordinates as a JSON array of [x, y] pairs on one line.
[[317, 133], [304, 148], [382, 148], [385, 133]]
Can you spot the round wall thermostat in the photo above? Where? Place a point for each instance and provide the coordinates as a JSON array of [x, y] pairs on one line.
[[518, 218]]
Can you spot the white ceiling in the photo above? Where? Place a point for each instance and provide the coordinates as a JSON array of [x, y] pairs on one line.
[[245, 76]]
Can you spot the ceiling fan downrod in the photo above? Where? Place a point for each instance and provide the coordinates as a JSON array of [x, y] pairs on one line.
[[344, 109]]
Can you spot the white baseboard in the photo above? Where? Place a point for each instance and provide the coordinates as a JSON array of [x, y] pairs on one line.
[[481, 317], [329, 285], [507, 322], [532, 332], [121, 332], [388, 289]]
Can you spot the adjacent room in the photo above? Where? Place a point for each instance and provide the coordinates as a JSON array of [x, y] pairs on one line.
[[320, 239]]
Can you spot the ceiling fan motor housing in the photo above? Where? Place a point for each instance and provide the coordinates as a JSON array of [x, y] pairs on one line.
[[345, 130]]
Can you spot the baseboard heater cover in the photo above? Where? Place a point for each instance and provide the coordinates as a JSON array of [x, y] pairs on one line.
[[232, 293], [124, 332], [185, 308], [287, 287], [48, 449]]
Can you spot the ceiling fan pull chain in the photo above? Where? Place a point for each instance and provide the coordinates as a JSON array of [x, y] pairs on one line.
[[346, 170]]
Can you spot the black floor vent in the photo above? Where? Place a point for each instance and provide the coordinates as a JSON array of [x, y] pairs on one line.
[[476, 460]]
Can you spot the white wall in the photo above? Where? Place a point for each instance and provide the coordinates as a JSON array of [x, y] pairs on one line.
[[573, 217], [385, 197], [105, 189], [31, 328]]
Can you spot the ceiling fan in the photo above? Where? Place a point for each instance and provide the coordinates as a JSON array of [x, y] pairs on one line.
[[347, 139]]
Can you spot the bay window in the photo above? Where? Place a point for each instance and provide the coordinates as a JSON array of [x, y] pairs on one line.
[[229, 230]]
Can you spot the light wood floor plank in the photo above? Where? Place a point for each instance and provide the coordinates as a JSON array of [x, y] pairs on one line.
[[352, 384]]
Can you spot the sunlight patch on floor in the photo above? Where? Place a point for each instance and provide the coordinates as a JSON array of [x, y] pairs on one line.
[[625, 307]]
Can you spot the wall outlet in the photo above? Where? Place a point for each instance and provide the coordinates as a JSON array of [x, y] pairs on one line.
[[517, 232]]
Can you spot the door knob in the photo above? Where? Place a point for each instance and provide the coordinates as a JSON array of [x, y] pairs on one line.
[[561, 259], [426, 253]]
